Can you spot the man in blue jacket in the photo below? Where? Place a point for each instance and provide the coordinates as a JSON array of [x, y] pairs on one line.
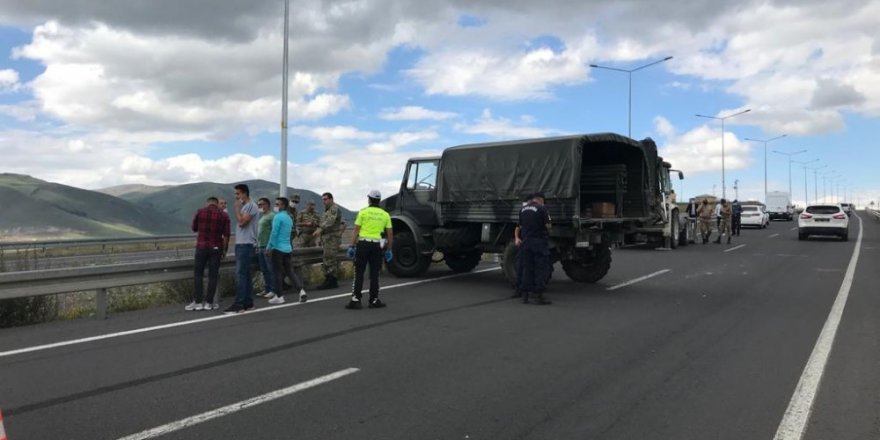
[[279, 250]]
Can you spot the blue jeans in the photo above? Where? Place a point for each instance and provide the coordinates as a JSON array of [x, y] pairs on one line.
[[266, 269], [244, 286]]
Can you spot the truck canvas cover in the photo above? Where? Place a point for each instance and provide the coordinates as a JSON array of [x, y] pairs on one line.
[[506, 171]]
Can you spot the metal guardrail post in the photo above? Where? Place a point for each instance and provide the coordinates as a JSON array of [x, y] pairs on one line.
[[101, 303]]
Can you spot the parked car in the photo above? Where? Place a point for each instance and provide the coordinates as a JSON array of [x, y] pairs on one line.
[[823, 220], [755, 215]]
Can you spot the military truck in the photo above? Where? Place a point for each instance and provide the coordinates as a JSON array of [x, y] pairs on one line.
[[601, 190]]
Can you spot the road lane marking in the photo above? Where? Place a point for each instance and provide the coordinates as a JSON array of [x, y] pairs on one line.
[[238, 406], [636, 280], [794, 422], [793, 229], [735, 248], [774, 235], [218, 317]]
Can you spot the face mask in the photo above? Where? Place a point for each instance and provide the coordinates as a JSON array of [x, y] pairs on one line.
[[276, 209]]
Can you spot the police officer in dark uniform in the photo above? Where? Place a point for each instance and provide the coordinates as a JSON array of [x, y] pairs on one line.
[[534, 249]]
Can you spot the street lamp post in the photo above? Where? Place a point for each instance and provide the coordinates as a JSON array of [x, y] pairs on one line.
[[283, 190], [629, 74], [789, 165], [766, 141], [722, 119], [806, 195], [825, 178], [816, 181]]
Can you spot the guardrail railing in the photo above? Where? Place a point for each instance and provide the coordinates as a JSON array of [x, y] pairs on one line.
[[874, 213], [100, 278], [49, 244]]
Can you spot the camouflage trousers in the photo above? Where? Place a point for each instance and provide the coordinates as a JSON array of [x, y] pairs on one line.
[[330, 243], [306, 239], [724, 227]]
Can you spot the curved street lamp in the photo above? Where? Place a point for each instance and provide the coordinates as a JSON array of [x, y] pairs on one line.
[[629, 74], [722, 119]]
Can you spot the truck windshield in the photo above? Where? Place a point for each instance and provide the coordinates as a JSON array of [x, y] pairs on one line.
[[422, 175]]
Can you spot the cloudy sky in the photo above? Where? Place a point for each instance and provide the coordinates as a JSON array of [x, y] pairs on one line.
[[96, 93]]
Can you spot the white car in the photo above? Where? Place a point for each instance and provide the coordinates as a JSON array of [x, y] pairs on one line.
[[754, 215], [823, 220]]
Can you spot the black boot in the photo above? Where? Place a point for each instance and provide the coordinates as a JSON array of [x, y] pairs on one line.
[[329, 283]]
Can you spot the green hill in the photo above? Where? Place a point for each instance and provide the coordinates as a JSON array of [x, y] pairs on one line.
[[40, 209], [182, 201]]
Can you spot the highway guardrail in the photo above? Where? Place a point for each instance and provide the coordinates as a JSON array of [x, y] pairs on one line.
[[100, 278]]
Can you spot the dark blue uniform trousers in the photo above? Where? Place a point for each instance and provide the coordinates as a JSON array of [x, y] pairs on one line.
[[534, 266]]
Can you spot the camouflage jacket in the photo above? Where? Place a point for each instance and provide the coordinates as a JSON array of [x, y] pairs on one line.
[[331, 220], [308, 220]]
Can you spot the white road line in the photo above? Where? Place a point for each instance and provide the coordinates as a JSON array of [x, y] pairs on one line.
[[217, 317], [735, 248], [774, 235], [794, 422], [238, 406], [793, 229], [633, 281]]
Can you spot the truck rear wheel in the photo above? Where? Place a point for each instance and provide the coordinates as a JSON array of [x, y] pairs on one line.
[[675, 239], [508, 264], [408, 261], [462, 261], [589, 270]]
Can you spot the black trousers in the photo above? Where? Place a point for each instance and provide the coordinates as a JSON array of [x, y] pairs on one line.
[[211, 259], [367, 253], [535, 265], [737, 224], [280, 267]]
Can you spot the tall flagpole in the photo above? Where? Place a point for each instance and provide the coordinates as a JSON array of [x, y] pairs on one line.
[[283, 190]]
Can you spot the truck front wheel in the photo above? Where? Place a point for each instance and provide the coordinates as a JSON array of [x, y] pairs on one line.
[[462, 261], [589, 270], [408, 261]]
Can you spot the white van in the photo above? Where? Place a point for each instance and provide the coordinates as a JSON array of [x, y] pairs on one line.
[[779, 205]]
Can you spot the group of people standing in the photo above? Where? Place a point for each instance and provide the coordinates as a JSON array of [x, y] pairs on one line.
[[267, 231], [727, 217]]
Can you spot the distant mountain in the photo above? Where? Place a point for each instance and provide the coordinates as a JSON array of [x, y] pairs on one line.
[[38, 209], [182, 201], [121, 190]]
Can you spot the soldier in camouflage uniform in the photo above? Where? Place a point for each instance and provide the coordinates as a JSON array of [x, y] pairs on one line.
[[329, 231], [307, 222], [291, 210]]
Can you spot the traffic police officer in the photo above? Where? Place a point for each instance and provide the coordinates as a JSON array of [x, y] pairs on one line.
[[366, 249], [532, 238], [307, 222]]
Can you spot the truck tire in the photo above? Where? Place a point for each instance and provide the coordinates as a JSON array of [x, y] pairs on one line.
[[589, 270], [675, 239], [508, 264], [461, 262], [456, 238], [407, 261]]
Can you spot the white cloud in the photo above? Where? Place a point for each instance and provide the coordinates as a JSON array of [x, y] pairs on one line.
[[8, 79], [699, 150], [23, 112], [504, 128], [415, 113]]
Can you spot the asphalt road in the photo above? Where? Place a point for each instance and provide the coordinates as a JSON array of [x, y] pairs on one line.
[[712, 346]]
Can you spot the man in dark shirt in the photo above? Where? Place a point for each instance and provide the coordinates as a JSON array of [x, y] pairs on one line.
[[212, 226], [534, 249]]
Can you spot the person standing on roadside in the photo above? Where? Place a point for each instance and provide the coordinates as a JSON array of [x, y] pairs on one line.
[[705, 213], [736, 217], [306, 223], [212, 242], [531, 236], [291, 210], [366, 249], [330, 234], [245, 211], [280, 251], [724, 214], [264, 229]]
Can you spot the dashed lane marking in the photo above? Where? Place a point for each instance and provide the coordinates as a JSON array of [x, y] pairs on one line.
[[218, 317], [774, 235], [636, 280], [238, 406], [794, 422], [735, 248]]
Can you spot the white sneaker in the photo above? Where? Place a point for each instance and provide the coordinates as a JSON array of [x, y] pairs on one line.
[[263, 293], [302, 296], [212, 306], [277, 300], [192, 306], [270, 295], [201, 306]]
